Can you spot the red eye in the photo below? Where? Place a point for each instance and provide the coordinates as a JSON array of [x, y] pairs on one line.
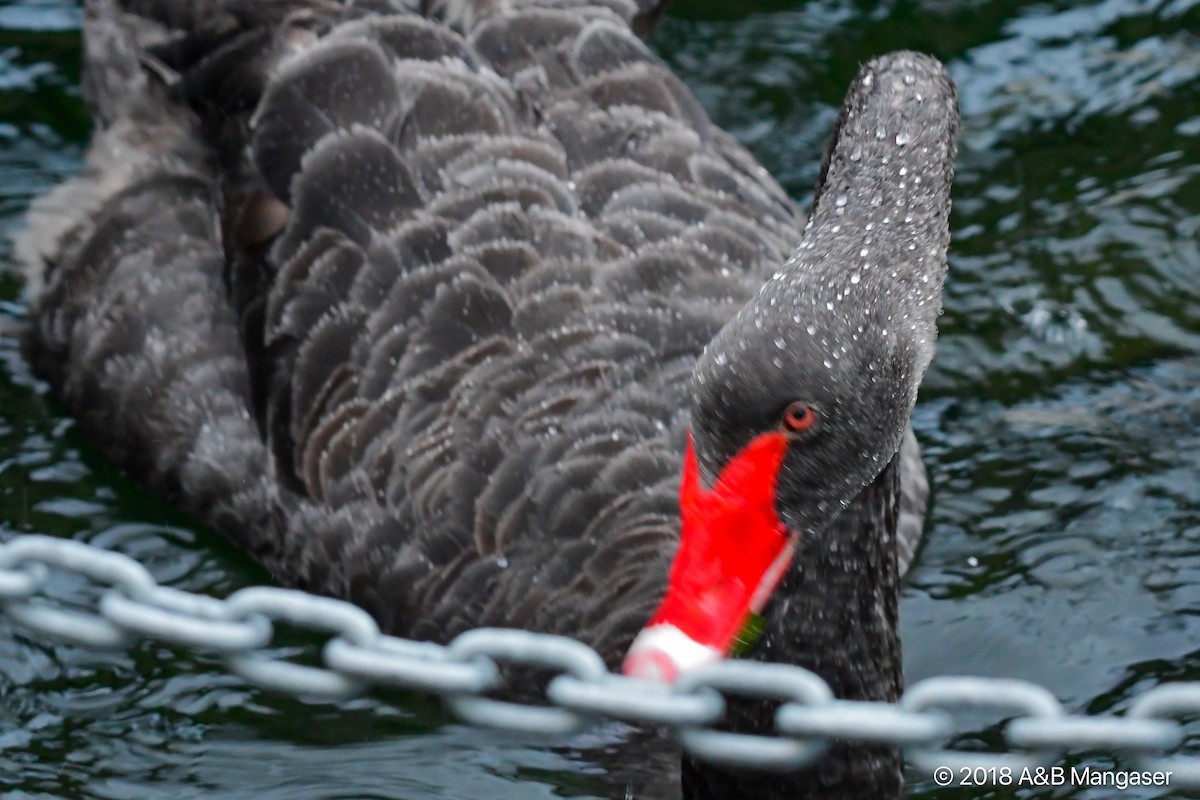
[[799, 416]]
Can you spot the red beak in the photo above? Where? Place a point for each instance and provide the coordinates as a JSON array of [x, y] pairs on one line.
[[733, 550]]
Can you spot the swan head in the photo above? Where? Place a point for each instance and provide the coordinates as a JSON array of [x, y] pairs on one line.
[[803, 397], [787, 428]]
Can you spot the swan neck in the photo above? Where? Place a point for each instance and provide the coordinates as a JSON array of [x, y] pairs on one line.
[[836, 615]]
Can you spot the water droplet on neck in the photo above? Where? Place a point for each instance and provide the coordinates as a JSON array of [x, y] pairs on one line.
[[856, 153], [902, 138]]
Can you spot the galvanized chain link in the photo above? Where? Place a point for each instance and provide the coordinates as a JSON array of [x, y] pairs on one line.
[[358, 656]]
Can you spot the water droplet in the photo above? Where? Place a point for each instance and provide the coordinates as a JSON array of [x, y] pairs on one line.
[[828, 364], [909, 80], [904, 171], [902, 138], [855, 278], [780, 343], [856, 153], [841, 201], [812, 329]]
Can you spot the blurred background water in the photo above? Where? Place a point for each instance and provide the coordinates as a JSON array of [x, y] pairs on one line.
[[1059, 418]]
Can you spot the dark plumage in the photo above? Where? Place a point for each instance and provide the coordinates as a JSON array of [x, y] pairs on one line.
[[407, 302]]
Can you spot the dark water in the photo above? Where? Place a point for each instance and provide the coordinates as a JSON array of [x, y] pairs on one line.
[[1059, 418]]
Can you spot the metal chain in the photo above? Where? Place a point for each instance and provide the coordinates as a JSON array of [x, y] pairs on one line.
[[358, 656]]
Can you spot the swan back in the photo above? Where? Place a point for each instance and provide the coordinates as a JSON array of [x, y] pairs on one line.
[[462, 273]]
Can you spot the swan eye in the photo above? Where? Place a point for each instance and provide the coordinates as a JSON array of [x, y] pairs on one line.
[[799, 416]]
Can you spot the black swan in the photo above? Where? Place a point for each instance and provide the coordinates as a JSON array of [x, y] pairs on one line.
[[427, 308]]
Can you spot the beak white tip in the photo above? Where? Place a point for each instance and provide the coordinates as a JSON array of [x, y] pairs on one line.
[[663, 652]]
